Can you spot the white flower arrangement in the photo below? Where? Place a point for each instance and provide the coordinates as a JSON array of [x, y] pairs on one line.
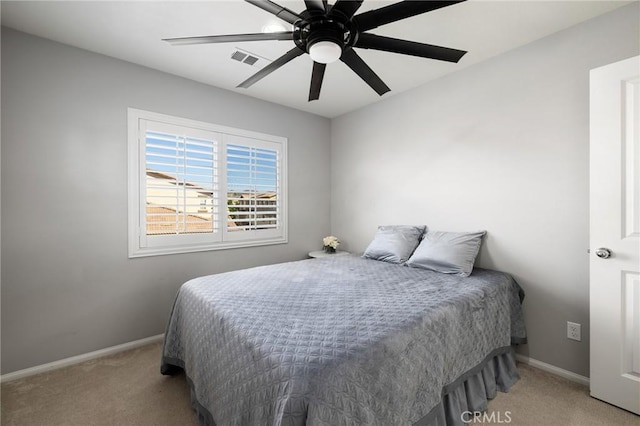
[[330, 243]]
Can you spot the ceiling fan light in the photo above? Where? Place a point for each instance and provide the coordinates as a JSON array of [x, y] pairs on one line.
[[325, 52]]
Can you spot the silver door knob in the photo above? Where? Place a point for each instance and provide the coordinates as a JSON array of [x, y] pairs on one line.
[[603, 253]]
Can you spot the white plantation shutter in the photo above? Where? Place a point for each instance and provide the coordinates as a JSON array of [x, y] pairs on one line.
[[181, 184], [196, 186], [254, 188]]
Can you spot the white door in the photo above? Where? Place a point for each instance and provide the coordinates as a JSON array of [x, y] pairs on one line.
[[615, 234]]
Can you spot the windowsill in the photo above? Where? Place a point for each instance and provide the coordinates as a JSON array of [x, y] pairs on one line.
[[161, 251]]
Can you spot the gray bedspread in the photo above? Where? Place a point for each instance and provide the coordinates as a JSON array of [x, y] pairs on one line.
[[335, 341]]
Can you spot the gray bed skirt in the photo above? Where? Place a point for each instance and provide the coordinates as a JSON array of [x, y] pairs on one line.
[[467, 394], [472, 391]]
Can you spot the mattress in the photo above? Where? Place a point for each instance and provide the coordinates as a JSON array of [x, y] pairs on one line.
[[340, 341]]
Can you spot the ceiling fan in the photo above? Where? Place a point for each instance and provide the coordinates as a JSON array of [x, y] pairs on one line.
[[330, 32]]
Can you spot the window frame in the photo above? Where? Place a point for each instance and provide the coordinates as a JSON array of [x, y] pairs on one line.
[[142, 245]]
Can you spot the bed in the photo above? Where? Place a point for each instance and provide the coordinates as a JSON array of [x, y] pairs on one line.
[[344, 340]]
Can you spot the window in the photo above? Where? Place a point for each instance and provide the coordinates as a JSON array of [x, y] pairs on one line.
[[196, 186]]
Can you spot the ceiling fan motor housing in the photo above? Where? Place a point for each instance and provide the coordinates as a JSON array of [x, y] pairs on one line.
[[319, 27], [333, 35]]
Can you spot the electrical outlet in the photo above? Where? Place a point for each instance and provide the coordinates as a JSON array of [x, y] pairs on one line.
[[573, 331]]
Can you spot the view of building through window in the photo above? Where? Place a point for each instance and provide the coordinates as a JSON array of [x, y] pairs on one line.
[[181, 181], [252, 201], [183, 184]]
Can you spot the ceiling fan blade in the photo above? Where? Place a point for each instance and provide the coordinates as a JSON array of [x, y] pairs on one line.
[[292, 54], [397, 11], [347, 7], [358, 66], [316, 5], [316, 80], [181, 41], [273, 8], [406, 47]]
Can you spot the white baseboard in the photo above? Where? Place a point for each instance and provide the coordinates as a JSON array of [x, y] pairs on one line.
[[553, 369], [38, 369]]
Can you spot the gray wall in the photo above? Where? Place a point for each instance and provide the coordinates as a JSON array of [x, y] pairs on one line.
[[501, 146], [67, 285]]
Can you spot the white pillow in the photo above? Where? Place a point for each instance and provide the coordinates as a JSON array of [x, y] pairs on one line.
[[394, 243], [447, 252]]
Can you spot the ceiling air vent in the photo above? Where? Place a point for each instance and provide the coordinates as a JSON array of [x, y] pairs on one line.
[[238, 56], [249, 58]]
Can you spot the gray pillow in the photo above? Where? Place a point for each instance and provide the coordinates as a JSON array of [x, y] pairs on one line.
[[447, 252], [394, 243]]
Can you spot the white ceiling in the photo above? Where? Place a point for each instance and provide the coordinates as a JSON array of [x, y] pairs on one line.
[[132, 31]]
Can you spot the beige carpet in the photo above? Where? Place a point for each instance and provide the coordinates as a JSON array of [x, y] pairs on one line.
[[127, 389]]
